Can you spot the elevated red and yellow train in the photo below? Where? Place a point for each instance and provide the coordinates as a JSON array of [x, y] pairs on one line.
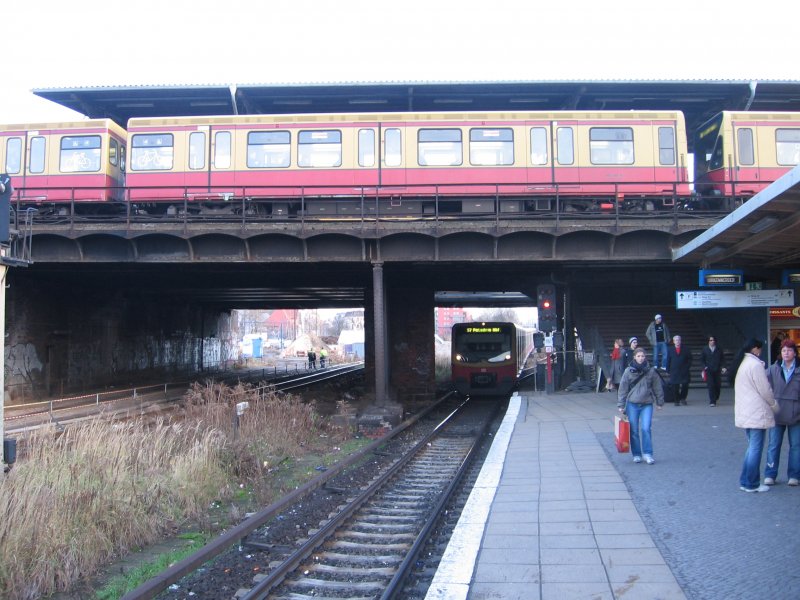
[[465, 162], [487, 357]]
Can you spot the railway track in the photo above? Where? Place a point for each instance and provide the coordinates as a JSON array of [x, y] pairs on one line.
[[155, 399], [363, 547]]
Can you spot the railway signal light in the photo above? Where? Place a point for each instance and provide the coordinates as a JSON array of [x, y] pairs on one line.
[[546, 303]]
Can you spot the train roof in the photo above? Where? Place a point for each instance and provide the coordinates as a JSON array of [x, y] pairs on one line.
[[699, 100], [56, 125], [408, 117]]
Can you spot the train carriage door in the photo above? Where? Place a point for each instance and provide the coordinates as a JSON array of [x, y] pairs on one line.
[[36, 170], [392, 159], [566, 169], [665, 167], [221, 164], [539, 157], [367, 166], [746, 172], [198, 166]]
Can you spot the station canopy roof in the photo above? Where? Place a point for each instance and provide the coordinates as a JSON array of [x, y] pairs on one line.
[[761, 233], [699, 100]]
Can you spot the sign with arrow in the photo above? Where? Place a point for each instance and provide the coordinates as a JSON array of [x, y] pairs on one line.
[[733, 299]]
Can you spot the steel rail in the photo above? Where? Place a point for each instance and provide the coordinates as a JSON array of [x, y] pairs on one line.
[[397, 581], [152, 587], [263, 587]]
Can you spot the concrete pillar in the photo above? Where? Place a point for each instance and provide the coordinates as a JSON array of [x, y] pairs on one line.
[[379, 320], [411, 346]]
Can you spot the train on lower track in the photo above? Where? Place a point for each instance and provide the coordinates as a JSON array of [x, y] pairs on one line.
[[339, 165], [487, 357]]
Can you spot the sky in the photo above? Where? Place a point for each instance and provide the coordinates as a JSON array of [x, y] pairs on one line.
[[98, 43]]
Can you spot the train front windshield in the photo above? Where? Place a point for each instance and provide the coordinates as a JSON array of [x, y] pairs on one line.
[[480, 347]]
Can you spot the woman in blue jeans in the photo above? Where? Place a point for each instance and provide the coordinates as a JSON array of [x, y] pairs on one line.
[[784, 377], [639, 388], [753, 406]]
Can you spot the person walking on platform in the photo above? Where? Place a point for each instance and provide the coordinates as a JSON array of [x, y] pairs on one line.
[[679, 361], [753, 405], [658, 336], [639, 389], [712, 357], [627, 354], [617, 365], [784, 377]]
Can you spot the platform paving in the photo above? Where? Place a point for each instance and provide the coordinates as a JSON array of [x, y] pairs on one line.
[[558, 513]]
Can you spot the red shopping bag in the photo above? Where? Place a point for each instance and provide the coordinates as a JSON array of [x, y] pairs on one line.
[[622, 433]]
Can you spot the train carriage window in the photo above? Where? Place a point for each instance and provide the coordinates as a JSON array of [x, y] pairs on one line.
[[113, 152], [787, 146], [13, 155], [565, 146], [538, 146], [747, 155], [611, 145], [491, 147], [393, 148], [666, 146], [222, 150], [197, 150], [36, 162], [79, 154], [122, 155], [269, 149], [439, 147], [319, 148], [152, 152], [366, 147]]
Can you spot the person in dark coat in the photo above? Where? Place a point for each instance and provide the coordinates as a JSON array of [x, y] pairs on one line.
[[679, 361], [627, 354], [714, 366], [784, 378]]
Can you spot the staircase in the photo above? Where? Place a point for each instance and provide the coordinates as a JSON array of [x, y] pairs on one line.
[[624, 322]]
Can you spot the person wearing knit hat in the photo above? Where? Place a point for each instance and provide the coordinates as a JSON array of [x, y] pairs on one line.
[[627, 355], [658, 336]]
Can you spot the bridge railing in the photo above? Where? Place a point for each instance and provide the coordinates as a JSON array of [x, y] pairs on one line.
[[430, 202]]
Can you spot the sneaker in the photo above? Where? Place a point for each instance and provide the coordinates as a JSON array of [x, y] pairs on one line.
[[712, 403], [770, 481], [792, 481], [649, 459], [761, 488], [637, 459]]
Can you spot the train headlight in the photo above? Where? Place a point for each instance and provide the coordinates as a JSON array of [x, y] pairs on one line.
[[459, 358]]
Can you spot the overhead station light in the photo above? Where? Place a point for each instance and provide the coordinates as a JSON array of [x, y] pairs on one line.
[[763, 224]]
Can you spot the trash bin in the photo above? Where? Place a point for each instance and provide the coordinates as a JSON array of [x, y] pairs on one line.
[[10, 451]]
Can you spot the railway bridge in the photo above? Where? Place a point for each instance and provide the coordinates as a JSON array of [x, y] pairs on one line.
[[106, 301]]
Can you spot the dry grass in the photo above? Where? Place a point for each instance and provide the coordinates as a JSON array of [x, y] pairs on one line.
[[78, 499]]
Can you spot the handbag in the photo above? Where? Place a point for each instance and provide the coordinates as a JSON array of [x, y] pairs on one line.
[[622, 433], [704, 374]]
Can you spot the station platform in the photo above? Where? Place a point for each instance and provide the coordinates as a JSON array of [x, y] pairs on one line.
[[558, 513]]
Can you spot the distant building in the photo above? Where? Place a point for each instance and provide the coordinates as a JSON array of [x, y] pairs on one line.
[[446, 317], [282, 324], [351, 342], [353, 319]]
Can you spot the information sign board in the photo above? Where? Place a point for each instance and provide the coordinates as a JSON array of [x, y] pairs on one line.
[[733, 299]]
